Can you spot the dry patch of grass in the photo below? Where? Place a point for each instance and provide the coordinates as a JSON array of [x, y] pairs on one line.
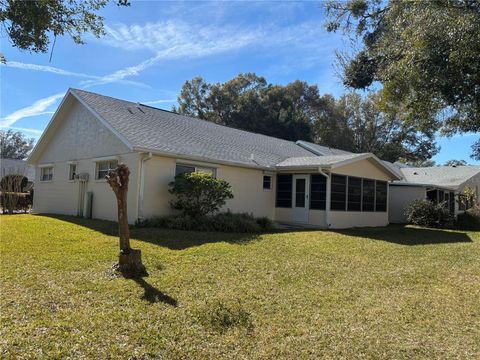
[[377, 293]]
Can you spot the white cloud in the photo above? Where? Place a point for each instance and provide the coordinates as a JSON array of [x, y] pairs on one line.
[[37, 108], [161, 101], [62, 72], [35, 132]]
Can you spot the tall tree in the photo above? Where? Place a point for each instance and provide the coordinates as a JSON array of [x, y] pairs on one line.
[[426, 54], [14, 145], [29, 24], [248, 102], [455, 163], [356, 124]]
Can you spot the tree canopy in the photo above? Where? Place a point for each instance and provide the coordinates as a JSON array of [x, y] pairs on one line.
[[14, 145], [426, 54], [297, 111], [29, 24]]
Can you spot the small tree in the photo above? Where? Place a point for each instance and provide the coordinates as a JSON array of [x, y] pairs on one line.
[[199, 194], [11, 187], [129, 260], [467, 198]]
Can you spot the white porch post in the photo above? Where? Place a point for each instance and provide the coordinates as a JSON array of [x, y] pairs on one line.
[[327, 199]]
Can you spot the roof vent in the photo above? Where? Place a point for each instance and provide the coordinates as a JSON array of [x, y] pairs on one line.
[[415, 173], [252, 158]]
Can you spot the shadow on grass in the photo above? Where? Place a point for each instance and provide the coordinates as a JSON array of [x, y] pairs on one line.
[[171, 239], [407, 235], [152, 294]]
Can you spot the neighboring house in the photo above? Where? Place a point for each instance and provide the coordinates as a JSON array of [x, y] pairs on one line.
[[438, 184], [14, 166], [293, 182]]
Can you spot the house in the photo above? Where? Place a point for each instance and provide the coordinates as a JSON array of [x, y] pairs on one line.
[[438, 184], [292, 182]]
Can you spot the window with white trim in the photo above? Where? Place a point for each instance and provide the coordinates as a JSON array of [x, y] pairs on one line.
[[104, 167], [46, 173], [72, 170], [267, 182]]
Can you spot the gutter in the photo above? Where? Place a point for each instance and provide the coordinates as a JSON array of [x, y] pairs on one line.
[[141, 191]]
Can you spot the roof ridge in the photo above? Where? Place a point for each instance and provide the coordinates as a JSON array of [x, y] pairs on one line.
[[191, 117]]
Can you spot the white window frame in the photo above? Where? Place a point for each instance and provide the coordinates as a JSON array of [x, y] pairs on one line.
[[197, 168], [42, 173], [110, 162], [271, 182]]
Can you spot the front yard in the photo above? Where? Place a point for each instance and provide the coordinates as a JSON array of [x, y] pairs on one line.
[[376, 293]]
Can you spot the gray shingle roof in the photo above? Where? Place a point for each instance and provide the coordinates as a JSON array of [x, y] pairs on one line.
[[166, 132], [321, 150], [444, 176], [317, 161]]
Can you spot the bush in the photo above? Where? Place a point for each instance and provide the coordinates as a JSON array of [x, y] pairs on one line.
[[470, 219], [427, 213], [13, 183], [199, 194], [223, 222]]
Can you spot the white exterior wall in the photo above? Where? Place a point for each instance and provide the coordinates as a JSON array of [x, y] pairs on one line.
[[349, 219], [247, 187], [80, 138], [399, 198]]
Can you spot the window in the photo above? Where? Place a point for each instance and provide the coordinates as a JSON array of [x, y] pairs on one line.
[[354, 194], [104, 167], [267, 182], [46, 173], [72, 171], [368, 195], [339, 192], [381, 196], [187, 169], [318, 192], [284, 191]]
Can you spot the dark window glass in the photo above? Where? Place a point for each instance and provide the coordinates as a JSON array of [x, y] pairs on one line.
[[368, 195], [318, 192], [354, 194], [267, 182], [432, 195], [381, 196], [300, 193], [441, 196], [338, 192], [284, 191], [184, 169]]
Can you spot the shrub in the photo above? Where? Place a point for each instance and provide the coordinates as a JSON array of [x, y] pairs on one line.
[[13, 183], [223, 222], [12, 199], [427, 213], [470, 219], [199, 194]]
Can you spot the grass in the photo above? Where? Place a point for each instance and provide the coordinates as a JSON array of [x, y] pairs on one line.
[[395, 292]]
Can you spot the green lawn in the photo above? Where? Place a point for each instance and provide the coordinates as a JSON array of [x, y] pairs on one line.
[[376, 293]]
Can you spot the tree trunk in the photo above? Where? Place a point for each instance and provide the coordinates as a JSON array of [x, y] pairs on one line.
[[129, 260]]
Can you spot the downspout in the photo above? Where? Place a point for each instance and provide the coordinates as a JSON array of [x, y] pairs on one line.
[[327, 198], [141, 191]]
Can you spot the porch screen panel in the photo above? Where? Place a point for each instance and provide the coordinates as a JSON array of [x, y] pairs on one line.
[[452, 202], [284, 191], [338, 192], [318, 192], [381, 196], [354, 194], [300, 188], [368, 198]]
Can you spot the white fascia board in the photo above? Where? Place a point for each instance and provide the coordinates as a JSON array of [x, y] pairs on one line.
[[46, 165], [106, 158], [201, 158]]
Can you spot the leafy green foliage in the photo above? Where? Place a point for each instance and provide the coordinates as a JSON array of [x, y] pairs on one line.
[[29, 24], [470, 219], [426, 54], [427, 213], [455, 163], [199, 194], [14, 145], [13, 182], [358, 125], [222, 222]]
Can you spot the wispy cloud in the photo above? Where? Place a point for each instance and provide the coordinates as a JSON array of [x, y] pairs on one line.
[[161, 101], [62, 72], [35, 132], [37, 108]]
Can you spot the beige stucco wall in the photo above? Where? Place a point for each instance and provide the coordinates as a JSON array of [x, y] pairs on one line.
[[247, 187], [349, 219], [80, 138], [363, 168], [399, 198]]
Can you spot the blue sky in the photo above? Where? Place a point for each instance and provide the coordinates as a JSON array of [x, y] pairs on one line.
[[152, 48]]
